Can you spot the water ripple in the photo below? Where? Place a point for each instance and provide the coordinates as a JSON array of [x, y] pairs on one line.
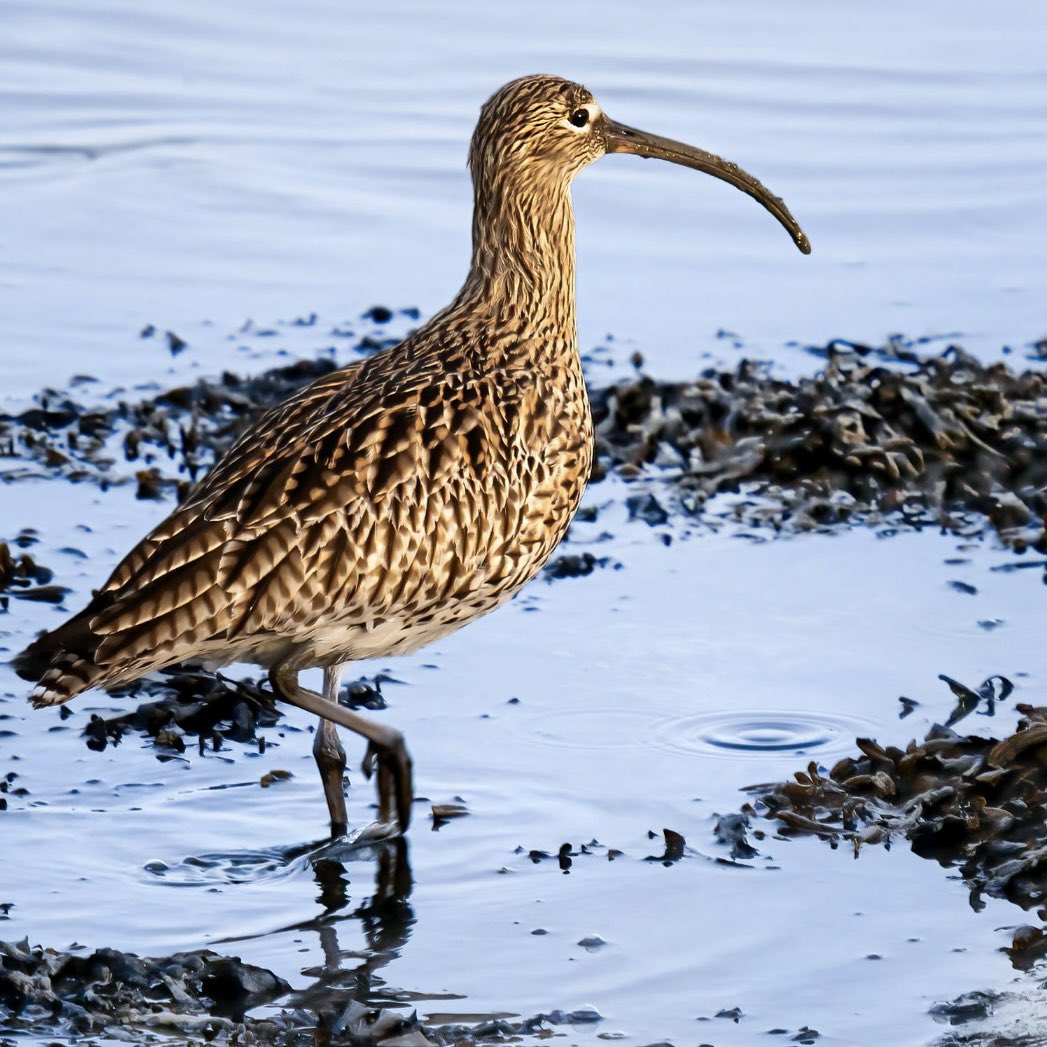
[[735, 732], [747, 732]]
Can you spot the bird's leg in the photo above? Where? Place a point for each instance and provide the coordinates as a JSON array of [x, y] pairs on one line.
[[386, 750], [330, 756]]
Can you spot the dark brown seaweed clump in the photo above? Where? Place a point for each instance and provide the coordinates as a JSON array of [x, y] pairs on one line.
[[924, 439], [198, 993], [944, 440], [204, 995], [185, 707], [976, 804], [188, 702], [23, 578], [170, 439], [987, 1018]]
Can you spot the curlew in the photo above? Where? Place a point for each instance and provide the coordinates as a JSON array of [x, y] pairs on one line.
[[400, 497]]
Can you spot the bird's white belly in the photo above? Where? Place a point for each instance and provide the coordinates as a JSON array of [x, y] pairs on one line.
[[348, 642], [334, 643]]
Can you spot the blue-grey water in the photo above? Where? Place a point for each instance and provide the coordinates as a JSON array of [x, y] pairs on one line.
[[180, 161], [194, 165]]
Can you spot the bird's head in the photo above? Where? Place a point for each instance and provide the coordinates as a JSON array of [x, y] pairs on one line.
[[539, 131], [540, 127]]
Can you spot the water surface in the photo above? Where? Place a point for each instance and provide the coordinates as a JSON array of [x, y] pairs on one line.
[[184, 160], [193, 166], [626, 684]]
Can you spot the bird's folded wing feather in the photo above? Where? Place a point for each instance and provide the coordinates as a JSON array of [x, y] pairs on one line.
[[364, 492]]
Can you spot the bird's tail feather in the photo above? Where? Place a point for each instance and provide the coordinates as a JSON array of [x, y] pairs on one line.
[[61, 662], [74, 636], [68, 675]]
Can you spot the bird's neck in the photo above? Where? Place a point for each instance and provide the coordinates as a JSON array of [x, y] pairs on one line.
[[522, 271]]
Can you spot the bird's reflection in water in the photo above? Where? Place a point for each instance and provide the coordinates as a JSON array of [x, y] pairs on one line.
[[386, 917], [346, 995]]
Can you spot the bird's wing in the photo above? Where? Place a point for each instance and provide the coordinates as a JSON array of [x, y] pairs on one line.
[[371, 488]]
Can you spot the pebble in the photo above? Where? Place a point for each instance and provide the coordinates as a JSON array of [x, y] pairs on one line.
[[592, 942]]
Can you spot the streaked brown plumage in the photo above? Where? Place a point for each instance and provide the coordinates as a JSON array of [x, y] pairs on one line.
[[400, 497]]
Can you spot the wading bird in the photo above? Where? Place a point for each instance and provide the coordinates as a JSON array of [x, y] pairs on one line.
[[400, 497]]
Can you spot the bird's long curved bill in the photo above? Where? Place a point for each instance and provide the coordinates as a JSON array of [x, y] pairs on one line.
[[623, 139]]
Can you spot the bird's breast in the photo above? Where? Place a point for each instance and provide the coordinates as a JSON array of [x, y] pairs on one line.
[[486, 497]]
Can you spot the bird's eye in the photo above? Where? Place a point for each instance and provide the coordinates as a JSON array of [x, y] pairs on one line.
[[580, 117]]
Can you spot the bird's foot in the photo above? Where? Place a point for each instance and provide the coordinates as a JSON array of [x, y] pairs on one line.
[[391, 766], [366, 835]]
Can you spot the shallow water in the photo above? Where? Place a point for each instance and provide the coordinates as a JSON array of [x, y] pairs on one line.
[[193, 165], [648, 696]]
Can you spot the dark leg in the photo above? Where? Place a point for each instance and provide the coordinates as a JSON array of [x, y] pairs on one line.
[[330, 756], [386, 751]]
